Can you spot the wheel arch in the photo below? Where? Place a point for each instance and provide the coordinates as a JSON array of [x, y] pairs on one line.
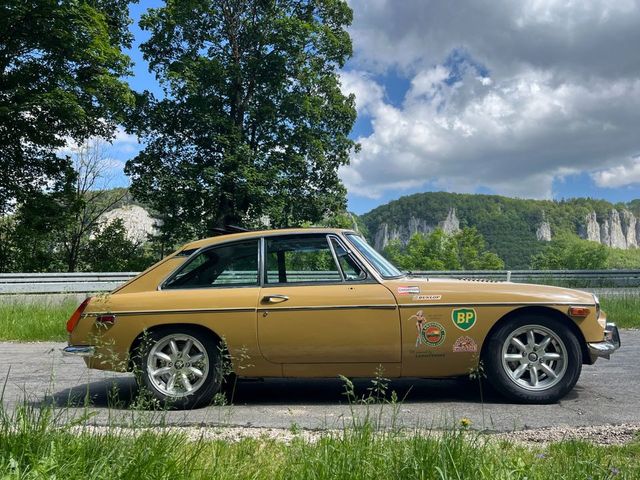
[[172, 327], [546, 311]]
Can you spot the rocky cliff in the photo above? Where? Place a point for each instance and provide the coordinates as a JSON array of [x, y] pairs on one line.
[[616, 229], [136, 220], [386, 234]]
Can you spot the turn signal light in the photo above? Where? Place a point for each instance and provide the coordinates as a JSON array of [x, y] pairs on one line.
[[579, 311], [75, 316]]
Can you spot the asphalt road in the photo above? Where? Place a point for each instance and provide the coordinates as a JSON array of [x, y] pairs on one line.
[[607, 393]]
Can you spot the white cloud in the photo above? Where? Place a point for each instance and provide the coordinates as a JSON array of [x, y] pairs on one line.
[[125, 142], [619, 176], [504, 95]]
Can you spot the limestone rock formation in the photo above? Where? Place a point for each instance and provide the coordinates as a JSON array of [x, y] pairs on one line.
[[629, 227], [451, 224], [543, 233], [386, 234], [137, 222], [616, 230], [592, 228]]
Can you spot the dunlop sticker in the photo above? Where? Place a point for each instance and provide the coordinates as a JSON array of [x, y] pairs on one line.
[[464, 318], [465, 344], [408, 290], [422, 298]]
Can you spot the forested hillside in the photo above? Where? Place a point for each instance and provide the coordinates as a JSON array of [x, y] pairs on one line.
[[511, 227]]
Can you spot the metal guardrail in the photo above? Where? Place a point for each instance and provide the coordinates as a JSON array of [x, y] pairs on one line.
[[586, 278], [34, 283], [52, 283]]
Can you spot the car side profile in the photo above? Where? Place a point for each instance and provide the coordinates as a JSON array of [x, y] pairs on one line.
[[321, 302]]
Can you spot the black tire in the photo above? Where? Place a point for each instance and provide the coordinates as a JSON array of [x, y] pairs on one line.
[[531, 387], [204, 387]]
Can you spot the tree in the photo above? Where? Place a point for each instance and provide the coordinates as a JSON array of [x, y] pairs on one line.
[[111, 251], [61, 64], [571, 253], [253, 124], [90, 199], [51, 229], [466, 250]]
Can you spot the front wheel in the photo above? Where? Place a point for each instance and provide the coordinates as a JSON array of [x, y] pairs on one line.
[[181, 368], [533, 359]]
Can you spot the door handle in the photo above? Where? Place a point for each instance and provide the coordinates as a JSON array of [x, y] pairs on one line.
[[275, 298]]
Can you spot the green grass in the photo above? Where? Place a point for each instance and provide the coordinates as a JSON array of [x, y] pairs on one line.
[[31, 447], [624, 310], [27, 322]]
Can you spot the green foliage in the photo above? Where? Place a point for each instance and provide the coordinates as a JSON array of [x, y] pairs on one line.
[[111, 251], [623, 259], [35, 321], [254, 124], [465, 250], [61, 64], [568, 252]]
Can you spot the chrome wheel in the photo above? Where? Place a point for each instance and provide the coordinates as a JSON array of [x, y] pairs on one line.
[[534, 357], [177, 365]]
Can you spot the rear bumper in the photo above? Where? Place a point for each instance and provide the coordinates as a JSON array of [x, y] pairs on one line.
[[79, 351], [610, 344]]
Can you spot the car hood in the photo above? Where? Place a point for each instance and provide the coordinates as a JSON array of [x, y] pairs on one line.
[[410, 290]]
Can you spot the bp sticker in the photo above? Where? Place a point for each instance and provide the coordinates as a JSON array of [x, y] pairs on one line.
[[464, 318]]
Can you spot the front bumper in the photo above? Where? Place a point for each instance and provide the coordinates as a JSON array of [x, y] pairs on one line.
[[79, 351], [610, 344]]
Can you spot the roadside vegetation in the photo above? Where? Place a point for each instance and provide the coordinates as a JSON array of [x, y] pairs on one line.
[[34, 322], [33, 445]]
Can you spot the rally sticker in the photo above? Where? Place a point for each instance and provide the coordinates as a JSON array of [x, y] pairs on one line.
[[465, 344], [464, 318], [422, 298], [408, 290], [432, 334]]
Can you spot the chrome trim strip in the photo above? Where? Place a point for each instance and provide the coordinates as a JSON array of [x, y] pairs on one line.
[[165, 312], [331, 307], [489, 304], [79, 351]]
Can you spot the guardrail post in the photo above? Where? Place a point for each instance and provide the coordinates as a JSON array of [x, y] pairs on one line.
[[508, 275]]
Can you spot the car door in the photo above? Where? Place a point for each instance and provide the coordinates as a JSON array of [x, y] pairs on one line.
[[218, 288], [319, 305]]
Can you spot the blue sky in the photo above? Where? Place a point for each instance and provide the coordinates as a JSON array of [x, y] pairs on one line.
[[528, 99]]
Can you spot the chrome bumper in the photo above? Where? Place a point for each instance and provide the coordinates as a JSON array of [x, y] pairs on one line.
[[79, 351], [610, 344]]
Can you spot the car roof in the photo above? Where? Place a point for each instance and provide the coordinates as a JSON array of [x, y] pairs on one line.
[[261, 233]]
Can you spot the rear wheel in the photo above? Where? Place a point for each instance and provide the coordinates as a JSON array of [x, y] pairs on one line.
[[180, 367], [533, 359]]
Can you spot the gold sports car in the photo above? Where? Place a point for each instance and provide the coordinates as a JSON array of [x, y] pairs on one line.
[[321, 302]]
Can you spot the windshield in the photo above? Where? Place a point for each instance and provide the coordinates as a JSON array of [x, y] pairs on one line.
[[381, 264]]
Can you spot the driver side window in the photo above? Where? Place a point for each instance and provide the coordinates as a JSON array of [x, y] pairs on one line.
[[300, 259]]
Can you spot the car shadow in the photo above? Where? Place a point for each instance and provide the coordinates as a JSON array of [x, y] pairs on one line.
[[122, 392]]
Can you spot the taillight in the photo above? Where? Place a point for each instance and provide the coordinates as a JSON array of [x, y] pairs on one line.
[[75, 317]]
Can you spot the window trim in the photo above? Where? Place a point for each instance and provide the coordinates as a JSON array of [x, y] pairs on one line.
[[197, 252], [367, 275], [266, 284], [364, 258]]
